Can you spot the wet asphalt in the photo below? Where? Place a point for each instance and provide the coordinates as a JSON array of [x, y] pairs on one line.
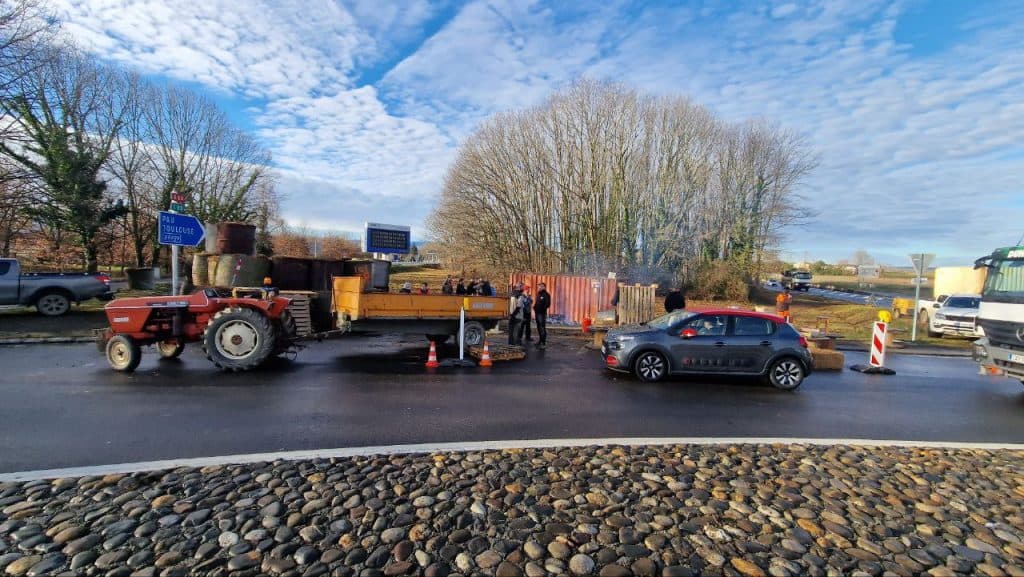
[[61, 406]]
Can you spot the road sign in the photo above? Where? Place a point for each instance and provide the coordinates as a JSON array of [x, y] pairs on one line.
[[178, 197], [177, 207], [180, 229], [921, 262], [387, 238]]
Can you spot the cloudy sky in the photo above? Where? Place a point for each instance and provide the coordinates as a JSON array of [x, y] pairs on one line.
[[915, 108]]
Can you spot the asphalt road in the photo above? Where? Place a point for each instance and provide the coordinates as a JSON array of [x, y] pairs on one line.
[[61, 406]]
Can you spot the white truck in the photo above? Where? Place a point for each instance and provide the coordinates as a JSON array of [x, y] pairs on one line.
[[51, 293], [1001, 314]]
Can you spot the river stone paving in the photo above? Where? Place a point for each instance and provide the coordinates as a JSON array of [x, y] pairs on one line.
[[749, 510]]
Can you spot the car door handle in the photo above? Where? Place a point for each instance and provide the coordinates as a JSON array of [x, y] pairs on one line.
[[766, 343], [719, 343]]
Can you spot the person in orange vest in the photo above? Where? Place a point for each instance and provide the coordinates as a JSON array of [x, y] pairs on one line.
[[782, 304]]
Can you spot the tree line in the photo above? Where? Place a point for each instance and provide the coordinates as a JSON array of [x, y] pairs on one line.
[[89, 151], [603, 178]]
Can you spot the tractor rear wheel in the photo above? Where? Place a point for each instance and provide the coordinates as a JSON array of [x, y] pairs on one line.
[[239, 339], [170, 349], [286, 334], [123, 353]]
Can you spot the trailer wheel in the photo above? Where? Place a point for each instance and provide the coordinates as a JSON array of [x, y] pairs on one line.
[[475, 334], [239, 339], [170, 349], [123, 353]]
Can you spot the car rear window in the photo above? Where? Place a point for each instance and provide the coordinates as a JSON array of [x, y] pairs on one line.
[[753, 327]]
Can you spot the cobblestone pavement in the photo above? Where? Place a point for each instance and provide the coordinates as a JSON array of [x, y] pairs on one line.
[[677, 510]]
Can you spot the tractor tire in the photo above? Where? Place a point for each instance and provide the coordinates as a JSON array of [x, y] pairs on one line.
[[53, 303], [239, 339], [123, 353], [170, 349]]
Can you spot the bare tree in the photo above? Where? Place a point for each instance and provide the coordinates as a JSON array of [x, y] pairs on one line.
[[26, 28], [601, 177]]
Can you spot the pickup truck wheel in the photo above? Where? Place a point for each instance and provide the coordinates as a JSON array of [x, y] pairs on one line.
[[239, 339], [123, 353], [474, 334], [170, 349], [53, 304]]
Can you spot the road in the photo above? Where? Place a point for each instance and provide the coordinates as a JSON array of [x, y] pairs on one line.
[[874, 299], [61, 406]]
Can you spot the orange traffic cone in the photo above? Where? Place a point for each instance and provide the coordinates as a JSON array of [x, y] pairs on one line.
[[485, 359], [432, 357]]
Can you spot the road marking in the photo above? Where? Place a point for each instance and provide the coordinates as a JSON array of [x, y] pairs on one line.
[[200, 462]]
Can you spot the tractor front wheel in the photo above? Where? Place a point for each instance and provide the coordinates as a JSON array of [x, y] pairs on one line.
[[123, 353], [170, 349], [239, 339]]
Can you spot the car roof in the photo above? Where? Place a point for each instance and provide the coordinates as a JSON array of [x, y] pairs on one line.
[[965, 296], [738, 313]]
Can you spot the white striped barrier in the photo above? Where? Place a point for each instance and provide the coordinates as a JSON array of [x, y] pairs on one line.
[[876, 358]]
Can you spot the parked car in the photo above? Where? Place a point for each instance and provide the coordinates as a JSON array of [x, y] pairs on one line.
[[797, 280], [719, 341], [956, 316], [51, 293]]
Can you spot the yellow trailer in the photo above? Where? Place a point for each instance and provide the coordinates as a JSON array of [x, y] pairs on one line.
[[434, 315]]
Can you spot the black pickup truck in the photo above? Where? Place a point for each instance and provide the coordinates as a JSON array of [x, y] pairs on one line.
[[51, 293]]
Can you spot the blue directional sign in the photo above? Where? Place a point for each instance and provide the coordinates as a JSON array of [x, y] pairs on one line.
[[180, 229]]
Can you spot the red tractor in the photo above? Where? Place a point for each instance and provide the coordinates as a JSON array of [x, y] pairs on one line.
[[239, 329]]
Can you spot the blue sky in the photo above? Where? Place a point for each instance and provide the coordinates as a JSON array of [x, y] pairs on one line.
[[915, 108]]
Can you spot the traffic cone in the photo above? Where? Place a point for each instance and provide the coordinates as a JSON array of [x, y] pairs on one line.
[[432, 357], [485, 359]]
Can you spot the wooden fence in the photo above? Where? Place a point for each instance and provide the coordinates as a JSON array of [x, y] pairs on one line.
[[637, 304]]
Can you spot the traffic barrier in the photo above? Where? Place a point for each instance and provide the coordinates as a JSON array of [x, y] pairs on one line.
[[485, 359], [876, 357], [432, 357]]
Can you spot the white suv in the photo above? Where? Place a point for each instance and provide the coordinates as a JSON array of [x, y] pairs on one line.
[[955, 317]]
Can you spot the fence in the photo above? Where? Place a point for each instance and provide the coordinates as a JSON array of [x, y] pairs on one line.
[[637, 304], [572, 297]]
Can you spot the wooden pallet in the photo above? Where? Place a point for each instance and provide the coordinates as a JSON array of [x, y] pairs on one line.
[[499, 352]]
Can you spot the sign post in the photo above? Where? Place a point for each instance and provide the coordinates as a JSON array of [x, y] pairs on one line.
[[920, 262], [178, 230]]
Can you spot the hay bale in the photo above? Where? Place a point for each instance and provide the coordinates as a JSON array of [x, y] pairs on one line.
[[200, 269], [234, 270], [211, 268], [827, 360]]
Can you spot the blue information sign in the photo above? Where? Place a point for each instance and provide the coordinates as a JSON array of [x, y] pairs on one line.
[[180, 229]]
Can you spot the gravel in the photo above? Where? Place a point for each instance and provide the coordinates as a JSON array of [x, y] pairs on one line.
[[734, 510]]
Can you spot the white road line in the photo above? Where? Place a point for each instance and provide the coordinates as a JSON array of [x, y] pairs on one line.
[[476, 446]]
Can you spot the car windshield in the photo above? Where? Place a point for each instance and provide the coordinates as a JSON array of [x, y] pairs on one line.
[[962, 302], [802, 275], [665, 321]]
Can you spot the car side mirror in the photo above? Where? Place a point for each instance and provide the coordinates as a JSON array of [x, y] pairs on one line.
[[688, 333]]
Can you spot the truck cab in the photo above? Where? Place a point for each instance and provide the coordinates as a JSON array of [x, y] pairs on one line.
[[798, 280], [1001, 314]]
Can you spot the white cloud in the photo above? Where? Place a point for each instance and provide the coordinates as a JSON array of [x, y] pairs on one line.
[[918, 149]]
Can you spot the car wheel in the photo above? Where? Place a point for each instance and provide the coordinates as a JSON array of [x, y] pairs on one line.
[[786, 374], [53, 304], [650, 367]]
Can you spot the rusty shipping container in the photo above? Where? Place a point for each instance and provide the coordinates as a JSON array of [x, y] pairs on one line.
[[574, 297]]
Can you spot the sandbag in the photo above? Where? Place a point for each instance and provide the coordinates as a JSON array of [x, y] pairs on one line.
[[234, 270], [200, 269]]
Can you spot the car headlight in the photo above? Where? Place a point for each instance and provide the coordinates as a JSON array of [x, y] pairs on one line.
[[980, 352], [940, 317]]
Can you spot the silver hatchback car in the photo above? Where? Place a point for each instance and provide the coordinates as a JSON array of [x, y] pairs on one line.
[[713, 342]]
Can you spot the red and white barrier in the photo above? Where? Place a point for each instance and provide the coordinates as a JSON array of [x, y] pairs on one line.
[[878, 344]]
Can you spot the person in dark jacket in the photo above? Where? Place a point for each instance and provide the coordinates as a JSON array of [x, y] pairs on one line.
[[460, 289], [675, 300], [540, 312], [515, 315], [485, 288]]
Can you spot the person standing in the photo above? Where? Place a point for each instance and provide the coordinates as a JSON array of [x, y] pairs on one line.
[[424, 289], [675, 300], [782, 302], [540, 310], [485, 288], [527, 304], [460, 289], [472, 287], [515, 315]]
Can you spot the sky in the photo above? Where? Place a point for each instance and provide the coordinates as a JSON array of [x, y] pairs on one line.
[[914, 108]]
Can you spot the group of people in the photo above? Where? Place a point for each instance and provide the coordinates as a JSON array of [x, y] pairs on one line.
[[407, 289], [476, 286], [522, 307]]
